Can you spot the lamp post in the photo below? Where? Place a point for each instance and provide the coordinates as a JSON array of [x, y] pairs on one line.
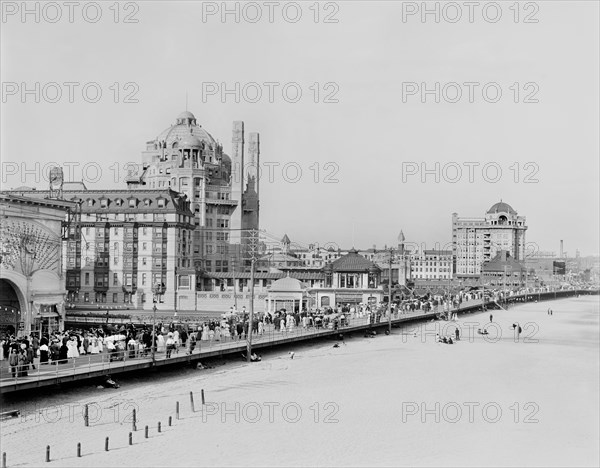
[[158, 290]]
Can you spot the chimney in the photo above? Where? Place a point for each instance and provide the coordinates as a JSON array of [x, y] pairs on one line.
[[561, 248]]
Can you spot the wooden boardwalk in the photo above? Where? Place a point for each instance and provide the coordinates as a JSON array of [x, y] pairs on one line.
[[96, 366]]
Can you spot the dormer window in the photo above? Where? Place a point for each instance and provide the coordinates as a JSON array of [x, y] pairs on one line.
[[132, 202], [90, 202], [118, 202], [104, 203], [161, 202], [146, 202]]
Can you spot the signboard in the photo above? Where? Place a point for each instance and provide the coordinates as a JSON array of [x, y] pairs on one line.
[[559, 267]]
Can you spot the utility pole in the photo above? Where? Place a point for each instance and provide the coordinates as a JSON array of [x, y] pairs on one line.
[[504, 287], [253, 253], [234, 288], [390, 292]]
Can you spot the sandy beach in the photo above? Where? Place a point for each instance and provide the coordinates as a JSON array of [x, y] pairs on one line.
[[495, 400]]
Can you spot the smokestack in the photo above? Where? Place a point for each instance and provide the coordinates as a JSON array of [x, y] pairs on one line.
[[561, 248]]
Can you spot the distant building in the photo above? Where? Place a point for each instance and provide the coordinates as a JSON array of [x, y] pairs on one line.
[[504, 270], [431, 264], [476, 241]]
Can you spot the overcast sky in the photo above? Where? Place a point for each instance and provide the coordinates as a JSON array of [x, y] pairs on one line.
[[374, 137]]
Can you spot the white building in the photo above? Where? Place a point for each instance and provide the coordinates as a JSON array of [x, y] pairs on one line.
[[431, 264], [476, 241]]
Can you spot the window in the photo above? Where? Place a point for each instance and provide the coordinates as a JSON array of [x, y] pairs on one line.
[[144, 245], [127, 279], [115, 297], [161, 202], [87, 279], [86, 297], [103, 203], [143, 260], [132, 202], [184, 282], [115, 280], [143, 279]]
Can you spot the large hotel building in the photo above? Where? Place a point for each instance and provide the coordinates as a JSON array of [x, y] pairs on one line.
[[186, 214], [476, 241]]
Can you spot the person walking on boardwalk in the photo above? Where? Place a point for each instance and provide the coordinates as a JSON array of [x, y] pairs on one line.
[[170, 344], [13, 361], [491, 318], [23, 364]]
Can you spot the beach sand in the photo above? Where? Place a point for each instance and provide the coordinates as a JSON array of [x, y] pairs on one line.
[[385, 401]]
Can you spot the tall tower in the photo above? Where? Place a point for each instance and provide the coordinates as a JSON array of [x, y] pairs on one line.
[[254, 161], [237, 180]]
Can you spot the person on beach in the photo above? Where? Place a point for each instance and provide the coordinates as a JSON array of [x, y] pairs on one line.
[[457, 334], [491, 318]]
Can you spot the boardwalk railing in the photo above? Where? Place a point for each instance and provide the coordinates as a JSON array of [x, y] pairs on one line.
[[104, 363]]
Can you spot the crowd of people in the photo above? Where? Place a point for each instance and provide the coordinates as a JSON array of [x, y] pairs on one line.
[[138, 340]]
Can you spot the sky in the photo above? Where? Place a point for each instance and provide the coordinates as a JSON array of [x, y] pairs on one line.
[[365, 150]]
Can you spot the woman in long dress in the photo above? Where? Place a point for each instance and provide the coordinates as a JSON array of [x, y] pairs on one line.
[[205, 332], [161, 345], [217, 333], [75, 348], [70, 349]]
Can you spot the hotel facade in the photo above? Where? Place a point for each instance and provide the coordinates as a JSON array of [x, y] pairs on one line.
[[476, 241]]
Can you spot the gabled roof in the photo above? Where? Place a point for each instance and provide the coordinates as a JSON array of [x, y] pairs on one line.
[[353, 262], [500, 261]]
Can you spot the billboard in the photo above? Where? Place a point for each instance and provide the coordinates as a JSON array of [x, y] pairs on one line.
[[559, 268]]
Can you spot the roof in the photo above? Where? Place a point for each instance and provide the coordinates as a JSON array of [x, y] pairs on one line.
[[302, 275], [184, 126], [500, 261], [354, 262], [286, 284], [117, 200], [35, 199], [501, 207]]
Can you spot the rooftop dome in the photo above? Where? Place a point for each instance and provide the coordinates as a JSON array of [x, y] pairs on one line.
[[185, 126], [501, 207], [190, 141], [185, 115], [286, 284]]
